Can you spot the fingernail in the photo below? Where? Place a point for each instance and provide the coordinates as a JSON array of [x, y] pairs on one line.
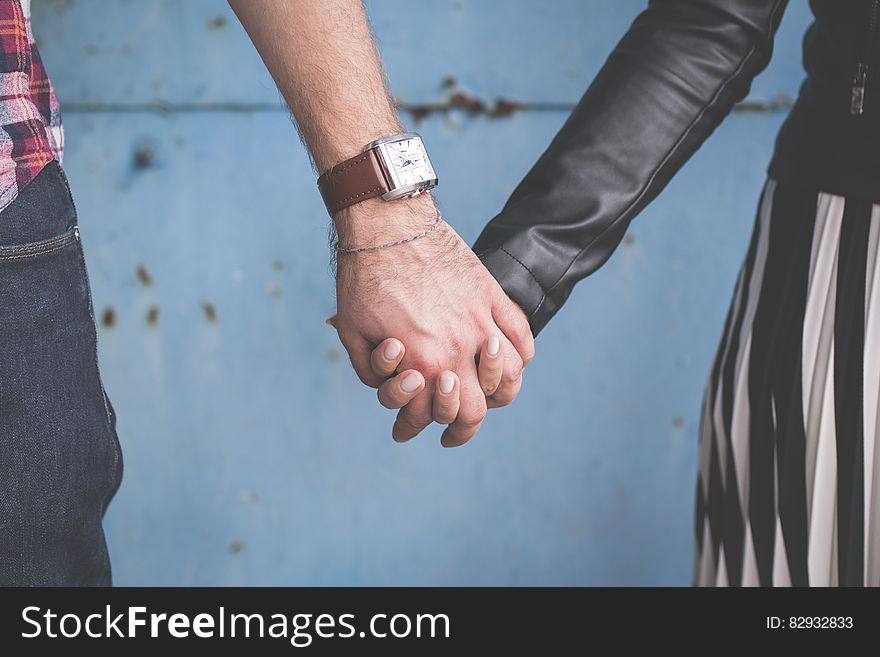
[[392, 350], [411, 382], [493, 346], [447, 383]]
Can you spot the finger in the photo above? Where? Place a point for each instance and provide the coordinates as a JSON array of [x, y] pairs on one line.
[[413, 417], [386, 357], [511, 319], [446, 399], [359, 349], [491, 365], [398, 391], [511, 377], [471, 412], [506, 392]]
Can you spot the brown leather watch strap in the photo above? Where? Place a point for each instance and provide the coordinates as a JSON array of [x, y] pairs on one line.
[[352, 181]]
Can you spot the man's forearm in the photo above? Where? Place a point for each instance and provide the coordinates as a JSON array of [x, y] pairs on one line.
[[322, 57], [433, 295]]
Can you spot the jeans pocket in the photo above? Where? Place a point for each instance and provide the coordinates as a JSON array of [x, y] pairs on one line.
[[60, 461], [36, 249]]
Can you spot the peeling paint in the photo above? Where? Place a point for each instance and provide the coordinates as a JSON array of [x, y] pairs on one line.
[[143, 275], [108, 317], [449, 82], [210, 312], [144, 157], [503, 108], [474, 106], [217, 23]]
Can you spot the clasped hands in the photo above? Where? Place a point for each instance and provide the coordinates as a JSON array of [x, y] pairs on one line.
[[426, 323]]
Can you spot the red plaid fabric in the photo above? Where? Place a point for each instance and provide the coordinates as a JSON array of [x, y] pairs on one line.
[[30, 117]]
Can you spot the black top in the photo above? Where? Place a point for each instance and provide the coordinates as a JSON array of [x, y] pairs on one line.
[[822, 143], [674, 76]]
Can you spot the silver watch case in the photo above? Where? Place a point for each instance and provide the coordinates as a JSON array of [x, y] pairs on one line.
[[395, 189]]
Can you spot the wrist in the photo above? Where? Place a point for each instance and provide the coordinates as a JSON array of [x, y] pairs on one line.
[[375, 220]]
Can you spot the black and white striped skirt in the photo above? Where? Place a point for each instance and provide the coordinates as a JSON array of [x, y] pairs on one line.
[[788, 491]]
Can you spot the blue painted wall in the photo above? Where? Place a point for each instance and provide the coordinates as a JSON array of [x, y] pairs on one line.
[[253, 454]]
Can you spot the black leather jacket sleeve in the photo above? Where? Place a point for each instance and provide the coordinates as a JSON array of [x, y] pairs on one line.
[[671, 80]]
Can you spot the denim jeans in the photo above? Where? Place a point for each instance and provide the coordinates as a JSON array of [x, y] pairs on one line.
[[60, 461]]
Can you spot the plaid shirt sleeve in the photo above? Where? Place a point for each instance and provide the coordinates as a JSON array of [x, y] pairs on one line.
[[31, 135]]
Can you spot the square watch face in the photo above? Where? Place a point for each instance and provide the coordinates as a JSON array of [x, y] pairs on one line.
[[409, 162]]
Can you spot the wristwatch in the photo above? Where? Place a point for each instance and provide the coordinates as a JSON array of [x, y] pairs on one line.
[[392, 167]]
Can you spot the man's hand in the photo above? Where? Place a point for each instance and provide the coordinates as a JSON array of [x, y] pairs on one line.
[[434, 296]]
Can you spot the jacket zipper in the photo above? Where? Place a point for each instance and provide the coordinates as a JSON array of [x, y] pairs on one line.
[[860, 81]]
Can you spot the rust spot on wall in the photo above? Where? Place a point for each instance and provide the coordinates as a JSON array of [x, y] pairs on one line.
[[143, 275], [629, 239], [278, 265], [470, 104], [90, 49], [144, 157], [449, 82], [334, 355], [677, 422], [217, 23], [108, 317], [153, 315], [419, 113], [236, 547], [210, 312], [503, 108]]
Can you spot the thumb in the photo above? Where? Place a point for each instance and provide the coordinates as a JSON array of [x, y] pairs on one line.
[[511, 319]]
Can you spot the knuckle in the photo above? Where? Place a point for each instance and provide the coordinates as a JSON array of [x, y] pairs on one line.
[[472, 415], [444, 418], [379, 368], [427, 366], [454, 344], [387, 397], [503, 396], [512, 374], [416, 423]]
